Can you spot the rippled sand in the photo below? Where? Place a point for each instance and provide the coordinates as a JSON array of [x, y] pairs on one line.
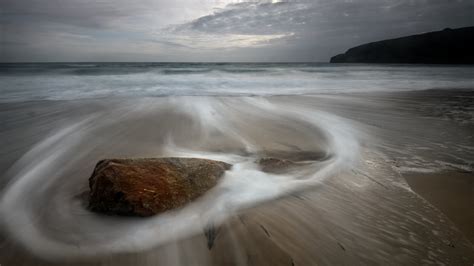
[[347, 202]]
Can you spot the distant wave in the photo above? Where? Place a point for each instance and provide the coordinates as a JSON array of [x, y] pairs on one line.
[[184, 71], [71, 81], [129, 68]]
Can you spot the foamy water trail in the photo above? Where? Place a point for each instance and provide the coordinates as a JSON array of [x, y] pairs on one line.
[[41, 208]]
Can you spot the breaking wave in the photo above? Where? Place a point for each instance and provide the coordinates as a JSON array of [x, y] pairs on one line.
[[94, 80]]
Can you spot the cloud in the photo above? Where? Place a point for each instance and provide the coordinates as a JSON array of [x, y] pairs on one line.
[[309, 30], [247, 24], [251, 18], [309, 23], [200, 41]]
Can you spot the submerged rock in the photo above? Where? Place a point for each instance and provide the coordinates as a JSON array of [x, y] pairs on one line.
[[275, 165], [145, 187], [280, 162]]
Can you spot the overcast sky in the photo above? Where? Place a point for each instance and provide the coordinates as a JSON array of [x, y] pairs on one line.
[[212, 30]]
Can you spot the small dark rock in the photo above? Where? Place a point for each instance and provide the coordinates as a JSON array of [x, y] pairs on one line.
[[274, 165]]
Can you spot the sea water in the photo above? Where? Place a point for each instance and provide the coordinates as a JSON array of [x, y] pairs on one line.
[[72, 81]]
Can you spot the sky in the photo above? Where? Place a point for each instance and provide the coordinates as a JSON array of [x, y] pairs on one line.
[[212, 30]]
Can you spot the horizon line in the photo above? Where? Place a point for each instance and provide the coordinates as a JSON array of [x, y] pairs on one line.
[[167, 62]]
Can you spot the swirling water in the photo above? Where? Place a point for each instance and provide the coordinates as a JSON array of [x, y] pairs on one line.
[[155, 110], [44, 188]]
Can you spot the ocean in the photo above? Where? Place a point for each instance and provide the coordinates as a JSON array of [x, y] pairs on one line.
[[73, 81]]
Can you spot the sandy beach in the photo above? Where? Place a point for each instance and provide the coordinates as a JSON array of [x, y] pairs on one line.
[[451, 192], [396, 190]]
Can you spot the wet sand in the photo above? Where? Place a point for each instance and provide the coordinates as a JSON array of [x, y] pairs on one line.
[[451, 192], [362, 212]]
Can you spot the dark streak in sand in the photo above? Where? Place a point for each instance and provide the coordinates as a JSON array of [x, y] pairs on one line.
[[265, 230], [298, 197], [211, 233], [241, 218], [370, 178], [342, 247]]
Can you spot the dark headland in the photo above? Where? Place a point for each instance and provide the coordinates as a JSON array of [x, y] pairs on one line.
[[449, 46]]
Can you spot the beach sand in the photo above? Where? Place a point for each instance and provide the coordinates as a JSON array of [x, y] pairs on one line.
[[398, 203], [451, 192]]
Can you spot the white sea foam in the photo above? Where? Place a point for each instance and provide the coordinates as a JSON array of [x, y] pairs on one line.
[[76, 81], [39, 208]]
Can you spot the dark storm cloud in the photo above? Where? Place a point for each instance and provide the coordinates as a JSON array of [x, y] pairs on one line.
[[275, 31], [252, 18], [332, 16]]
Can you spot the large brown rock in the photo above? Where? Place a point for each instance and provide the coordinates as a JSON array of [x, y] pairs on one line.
[[145, 187]]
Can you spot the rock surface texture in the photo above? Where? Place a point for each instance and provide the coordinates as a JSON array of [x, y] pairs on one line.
[[145, 187], [449, 46]]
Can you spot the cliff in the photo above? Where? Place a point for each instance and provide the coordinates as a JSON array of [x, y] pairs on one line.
[[449, 46]]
